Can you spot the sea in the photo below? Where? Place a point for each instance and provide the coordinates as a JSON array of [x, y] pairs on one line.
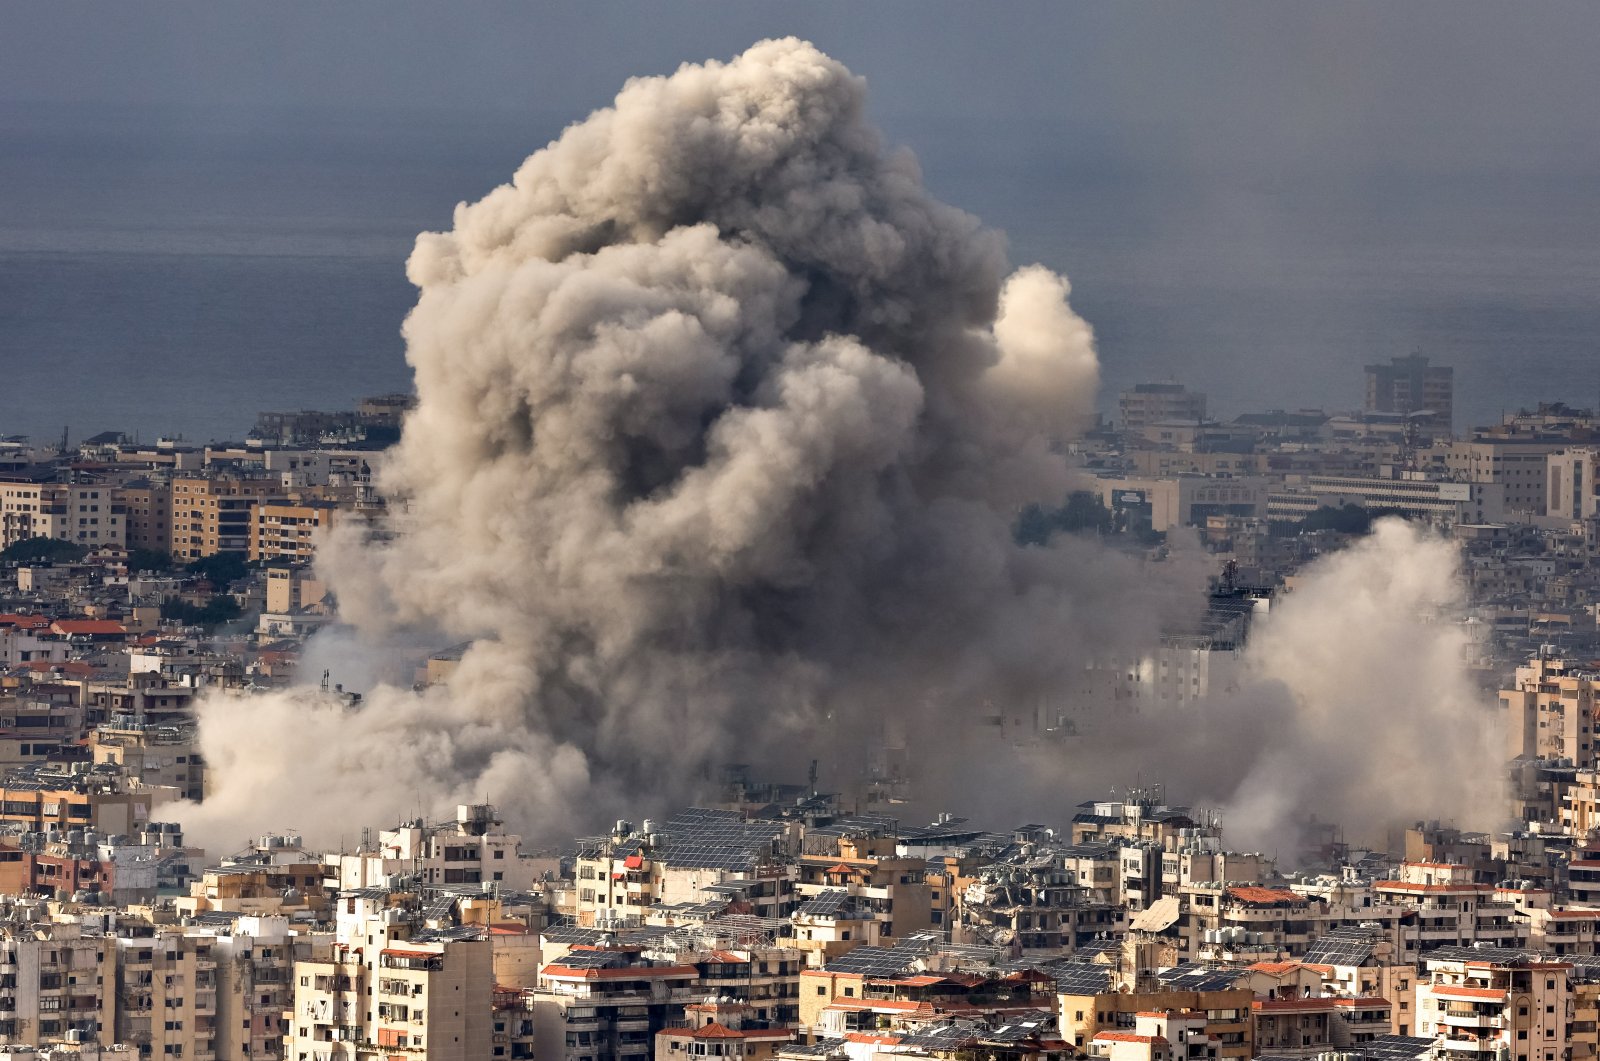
[[174, 275]]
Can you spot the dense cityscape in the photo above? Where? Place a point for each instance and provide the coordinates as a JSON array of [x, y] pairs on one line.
[[778, 919], [761, 632]]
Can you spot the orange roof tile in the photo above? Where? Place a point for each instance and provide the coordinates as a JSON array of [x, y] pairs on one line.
[[1264, 896], [90, 627]]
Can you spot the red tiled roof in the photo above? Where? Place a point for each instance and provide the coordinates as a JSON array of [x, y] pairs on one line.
[[626, 972], [1453, 990], [1130, 1037], [91, 627], [719, 1031], [1264, 896], [24, 622], [1272, 1005]]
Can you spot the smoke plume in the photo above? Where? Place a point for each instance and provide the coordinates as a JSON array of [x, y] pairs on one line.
[[722, 426], [1361, 686]]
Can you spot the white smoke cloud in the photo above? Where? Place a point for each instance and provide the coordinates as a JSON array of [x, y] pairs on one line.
[[722, 427], [1352, 704], [1361, 686]]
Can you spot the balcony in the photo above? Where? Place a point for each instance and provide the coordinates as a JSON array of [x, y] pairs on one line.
[[1454, 1019], [1484, 1045]]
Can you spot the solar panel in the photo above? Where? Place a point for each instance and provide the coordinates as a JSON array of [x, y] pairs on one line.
[[856, 824], [1493, 955], [820, 1048], [570, 934], [589, 959], [715, 839], [942, 1037], [1191, 977], [1020, 1028], [873, 961], [1343, 946], [1082, 979], [830, 903], [1396, 1048]]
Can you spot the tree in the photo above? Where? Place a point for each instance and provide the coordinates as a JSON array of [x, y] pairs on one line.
[[220, 569], [43, 550], [220, 609], [149, 560]]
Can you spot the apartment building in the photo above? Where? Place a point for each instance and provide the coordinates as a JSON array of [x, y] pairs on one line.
[[54, 980], [286, 530], [606, 1005], [255, 966], [1159, 1035], [166, 992], [147, 514], [1246, 923], [215, 514], [1550, 711], [1450, 909], [36, 506], [427, 997], [1150, 403], [1084, 1013], [1412, 385], [721, 1028], [472, 848], [1517, 465], [1574, 483], [1488, 1002], [893, 890]]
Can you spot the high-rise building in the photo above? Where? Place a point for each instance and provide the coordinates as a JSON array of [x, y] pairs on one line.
[[1154, 403], [1412, 385], [1574, 483]]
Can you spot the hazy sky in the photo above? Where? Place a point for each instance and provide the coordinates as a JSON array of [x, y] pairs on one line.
[[1432, 167], [1419, 85]]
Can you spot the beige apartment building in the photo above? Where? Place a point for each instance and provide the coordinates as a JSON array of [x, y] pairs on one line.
[[1550, 713], [167, 994], [1491, 1003], [1574, 477], [426, 999], [289, 530], [87, 514], [57, 981], [1150, 403], [1517, 465], [215, 515], [147, 508]]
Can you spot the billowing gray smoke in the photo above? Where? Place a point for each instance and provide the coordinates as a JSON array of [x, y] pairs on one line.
[[723, 424]]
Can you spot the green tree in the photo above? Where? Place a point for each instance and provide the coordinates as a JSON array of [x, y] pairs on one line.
[[149, 560], [220, 609], [43, 550], [221, 569]]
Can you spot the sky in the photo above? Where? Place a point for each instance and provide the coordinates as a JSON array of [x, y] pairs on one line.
[[1256, 196]]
